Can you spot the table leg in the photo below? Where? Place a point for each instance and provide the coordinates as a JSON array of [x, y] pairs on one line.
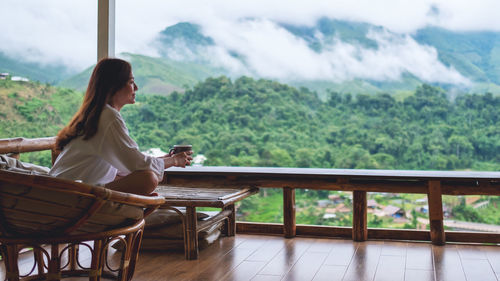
[[191, 234], [231, 220]]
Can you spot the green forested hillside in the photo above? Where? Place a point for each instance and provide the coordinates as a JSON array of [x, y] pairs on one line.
[[474, 54], [32, 109], [264, 123], [250, 122], [153, 75]]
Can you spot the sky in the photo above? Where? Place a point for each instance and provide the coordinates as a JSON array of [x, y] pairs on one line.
[[64, 32]]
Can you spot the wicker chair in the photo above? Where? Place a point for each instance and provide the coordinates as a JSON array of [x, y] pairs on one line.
[[56, 217]]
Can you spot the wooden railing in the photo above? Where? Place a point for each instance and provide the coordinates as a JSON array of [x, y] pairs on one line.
[[15, 146], [432, 183]]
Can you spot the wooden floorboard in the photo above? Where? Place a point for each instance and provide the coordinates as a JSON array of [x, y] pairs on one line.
[[364, 263], [273, 258], [447, 264], [287, 257], [419, 256]]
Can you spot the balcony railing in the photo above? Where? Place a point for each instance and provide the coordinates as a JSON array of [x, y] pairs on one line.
[[434, 184]]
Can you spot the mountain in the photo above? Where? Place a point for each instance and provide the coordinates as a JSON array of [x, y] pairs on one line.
[[189, 34], [346, 31], [475, 55], [33, 71], [153, 75], [184, 59]]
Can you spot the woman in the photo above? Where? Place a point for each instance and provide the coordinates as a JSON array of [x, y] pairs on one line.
[[95, 146]]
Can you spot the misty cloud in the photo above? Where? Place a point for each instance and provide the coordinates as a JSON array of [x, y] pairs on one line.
[[267, 50], [50, 32], [64, 32]]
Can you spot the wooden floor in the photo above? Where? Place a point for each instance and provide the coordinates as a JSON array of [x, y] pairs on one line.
[[270, 258]]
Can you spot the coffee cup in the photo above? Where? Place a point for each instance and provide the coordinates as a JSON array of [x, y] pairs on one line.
[[181, 148]]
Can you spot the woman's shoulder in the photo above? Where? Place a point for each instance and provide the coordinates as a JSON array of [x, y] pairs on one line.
[[110, 116]]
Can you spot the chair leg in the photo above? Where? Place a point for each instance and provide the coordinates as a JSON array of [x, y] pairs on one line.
[[134, 253], [72, 257], [125, 260], [54, 263], [11, 255], [96, 264], [38, 256]]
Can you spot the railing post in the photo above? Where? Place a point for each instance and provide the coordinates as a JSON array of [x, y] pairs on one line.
[[359, 219], [436, 212], [289, 227]]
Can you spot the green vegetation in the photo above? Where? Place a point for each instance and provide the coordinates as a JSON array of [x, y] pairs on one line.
[[250, 122], [264, 123], [153, 75]]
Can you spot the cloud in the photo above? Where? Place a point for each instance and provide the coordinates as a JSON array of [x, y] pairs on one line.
[[50, 31], [64, 32], [267, 50]]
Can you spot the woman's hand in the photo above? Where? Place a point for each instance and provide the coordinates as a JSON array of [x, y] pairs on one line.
[[181, 159]]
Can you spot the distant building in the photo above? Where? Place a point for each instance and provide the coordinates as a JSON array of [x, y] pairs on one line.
[[393, 211], [4, 75], [199, 159], [323, 203], [372, 204], [482, 204], [335, 198], [424, 209], [340, 208], [421, 201], [329, 216], [19, 78], [469, 200]]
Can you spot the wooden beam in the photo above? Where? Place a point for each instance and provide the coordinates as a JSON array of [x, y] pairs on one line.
[[289, 227], [105, 29], [359, 216], [21, 145], [436, 213], [324, 231], [259, 228], [303, 230], [463, 188], [472, 237], [398, 234]]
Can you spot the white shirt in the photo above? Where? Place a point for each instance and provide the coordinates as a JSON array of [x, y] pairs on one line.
[[109, 152]]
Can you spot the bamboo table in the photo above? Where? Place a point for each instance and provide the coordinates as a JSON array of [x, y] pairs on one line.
[[217, 197]]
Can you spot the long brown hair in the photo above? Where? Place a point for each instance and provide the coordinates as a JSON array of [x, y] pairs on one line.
[[109, 76]]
